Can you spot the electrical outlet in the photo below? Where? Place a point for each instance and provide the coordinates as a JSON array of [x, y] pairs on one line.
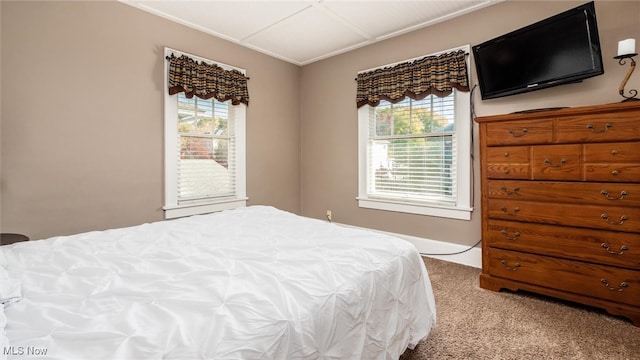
[[329, 215]]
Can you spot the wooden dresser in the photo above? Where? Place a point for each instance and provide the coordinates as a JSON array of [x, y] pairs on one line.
[[561, 205]]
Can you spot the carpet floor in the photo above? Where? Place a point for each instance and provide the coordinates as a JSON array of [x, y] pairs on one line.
[[474, 323]]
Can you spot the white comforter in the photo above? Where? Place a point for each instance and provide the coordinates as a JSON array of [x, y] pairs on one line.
[[251, 283]]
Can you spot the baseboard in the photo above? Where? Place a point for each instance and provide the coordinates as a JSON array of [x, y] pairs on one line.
[[439, 249]]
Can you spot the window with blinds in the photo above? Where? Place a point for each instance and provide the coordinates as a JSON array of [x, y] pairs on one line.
[[414, 156], [206, 162], [204, 150], [411, 152]]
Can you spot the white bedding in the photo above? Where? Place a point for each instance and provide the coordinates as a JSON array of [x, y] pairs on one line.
[[251, 283]]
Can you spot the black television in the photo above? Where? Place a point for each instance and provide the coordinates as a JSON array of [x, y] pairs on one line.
[[564, 48]]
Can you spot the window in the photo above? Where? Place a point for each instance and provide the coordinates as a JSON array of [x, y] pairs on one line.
[[414, 156], [204, 155]]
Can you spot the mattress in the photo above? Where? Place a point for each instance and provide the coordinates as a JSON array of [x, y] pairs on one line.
[[249, 283]]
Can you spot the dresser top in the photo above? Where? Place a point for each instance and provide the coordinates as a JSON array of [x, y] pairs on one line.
[[563, 112]]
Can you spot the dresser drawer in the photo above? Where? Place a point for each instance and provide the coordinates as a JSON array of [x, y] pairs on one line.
[[566, 192], [598, 246], [508, 154], [508, 162], [519, 132], [616, 218], [616, 126], [600, 281], [556, 162], [612, 172], [622, 152]]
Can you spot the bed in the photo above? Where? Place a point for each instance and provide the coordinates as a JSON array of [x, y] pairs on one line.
[[249, 283]]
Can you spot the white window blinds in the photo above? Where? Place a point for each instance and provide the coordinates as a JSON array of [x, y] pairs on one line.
[[411, 152], [206, 143]]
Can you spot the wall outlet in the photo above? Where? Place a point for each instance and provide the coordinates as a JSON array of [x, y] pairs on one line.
[[329, 215]]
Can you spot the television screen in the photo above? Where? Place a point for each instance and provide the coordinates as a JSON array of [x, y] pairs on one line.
[[562, 49]]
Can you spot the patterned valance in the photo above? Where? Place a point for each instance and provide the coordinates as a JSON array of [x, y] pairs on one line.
[[206, 81], [417, 79]]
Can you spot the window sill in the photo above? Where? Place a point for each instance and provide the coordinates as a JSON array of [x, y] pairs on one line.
[[176, 211], [449, 212]]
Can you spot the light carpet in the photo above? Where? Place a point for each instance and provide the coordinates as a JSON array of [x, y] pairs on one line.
[[474, 323]]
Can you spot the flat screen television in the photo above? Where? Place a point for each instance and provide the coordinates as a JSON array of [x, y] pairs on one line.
[[562, 49]]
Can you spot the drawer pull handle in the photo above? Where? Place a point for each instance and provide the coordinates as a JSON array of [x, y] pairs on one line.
[[623, 248], [509, 192], [518, 134], [623, 218], [593, 129], [506, 266], [623, 285], [623, 193], [614, 172], [515, 236], [614, 152], [514, 212], [549, 163]]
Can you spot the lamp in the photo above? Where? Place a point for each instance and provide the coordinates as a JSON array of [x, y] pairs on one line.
[[627, 50]]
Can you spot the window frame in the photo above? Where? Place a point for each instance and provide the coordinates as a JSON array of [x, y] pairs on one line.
[[462, 208], [171, 206]]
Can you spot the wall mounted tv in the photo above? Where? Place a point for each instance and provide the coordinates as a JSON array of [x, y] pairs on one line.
[[562, 49]]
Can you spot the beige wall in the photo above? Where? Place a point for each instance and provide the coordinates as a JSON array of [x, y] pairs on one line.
[[329, 118], [82, 125]]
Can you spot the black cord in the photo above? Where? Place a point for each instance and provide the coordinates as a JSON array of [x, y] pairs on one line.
[[455, 253], [473, 107], [473, 146]]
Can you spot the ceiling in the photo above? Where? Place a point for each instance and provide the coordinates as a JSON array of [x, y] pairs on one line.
[[304, 31]]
